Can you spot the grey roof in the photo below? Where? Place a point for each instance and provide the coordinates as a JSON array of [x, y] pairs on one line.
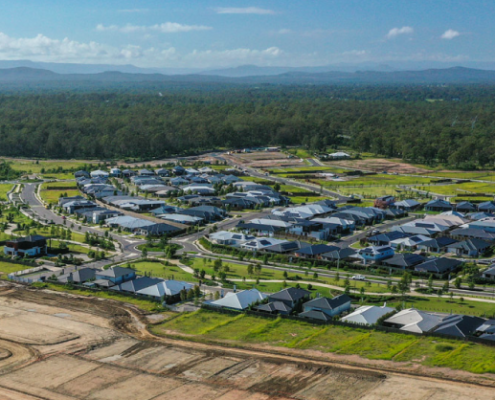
[[274, 306], [116, 272], [404, 260], [137, 284], [439, 242], [438, 265], [316, 249], [316, 315], [290, 294], [325, 303], [340, 253], [459, 325], [471, 244]]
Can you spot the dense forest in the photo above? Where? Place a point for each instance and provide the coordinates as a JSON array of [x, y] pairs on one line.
[[452, 124]]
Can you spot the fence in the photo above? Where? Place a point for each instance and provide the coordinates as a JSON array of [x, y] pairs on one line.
[[380, 328]]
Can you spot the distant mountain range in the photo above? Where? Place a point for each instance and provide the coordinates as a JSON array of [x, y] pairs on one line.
[[265, 75]]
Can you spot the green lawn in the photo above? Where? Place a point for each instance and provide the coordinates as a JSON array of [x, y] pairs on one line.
[[4, 189], [146, 305], [52, 196], [461, 189], [7, 268], [241, 329], [160, 270], [74, 248]]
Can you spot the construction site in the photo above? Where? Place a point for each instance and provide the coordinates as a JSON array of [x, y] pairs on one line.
[[64, 347]]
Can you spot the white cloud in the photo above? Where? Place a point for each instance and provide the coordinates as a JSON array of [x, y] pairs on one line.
[[284, 31], [405, 30], [244, 10], [450, 34], [43, 48], [356, 53], [166, 27]]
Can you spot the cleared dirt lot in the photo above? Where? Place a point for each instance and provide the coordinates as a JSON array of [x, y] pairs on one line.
[[106, 358]]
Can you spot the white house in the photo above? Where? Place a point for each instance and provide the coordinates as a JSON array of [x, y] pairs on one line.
[[240, 300], [367, 315]]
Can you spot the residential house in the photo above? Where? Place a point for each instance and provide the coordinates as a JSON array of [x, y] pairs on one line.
[[337, 254], [406, 205], [99, 174], [469, 248], [79, 276], [116, 275], [489, 273], [384, 202], [260, 243], [460, 326], [290, 296], [438, 205], [412, 320], [438, 245], [486, 224], [274, 307], [239, 300], [376, 253], [29, 246], [384, 239], [230, 238], [116, 172], [404, 260], [178, 170], [285, 247], [127, 173], [487, 206], [167, 291], [136, 284], [472, 233], [72, 206], [162, 172], [330, 307], [64, 200], [182, 219], [81, 174], [465, 207], [438, 266], [208, 213], [314, 251], [367, 315], [237, 203], [339, 155], [409, 243]]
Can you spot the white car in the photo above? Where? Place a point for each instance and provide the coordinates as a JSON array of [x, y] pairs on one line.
[[358, 278]]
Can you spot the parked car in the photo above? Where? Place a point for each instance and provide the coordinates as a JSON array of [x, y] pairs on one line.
[[358, 278]]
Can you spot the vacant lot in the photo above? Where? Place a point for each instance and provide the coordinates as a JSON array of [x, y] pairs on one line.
[[4, 189], [334, 339]]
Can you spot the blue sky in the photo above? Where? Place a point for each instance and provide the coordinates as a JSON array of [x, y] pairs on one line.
[[207, 33]]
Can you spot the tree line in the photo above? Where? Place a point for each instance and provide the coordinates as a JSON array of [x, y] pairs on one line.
[[453, 125]]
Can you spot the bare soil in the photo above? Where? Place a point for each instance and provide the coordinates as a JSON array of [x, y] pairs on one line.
[[111, 355], [380, 165]]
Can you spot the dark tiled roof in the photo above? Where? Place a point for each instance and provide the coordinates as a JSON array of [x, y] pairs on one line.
[[274, 306], [316, 315], [325, 303], [290, 294], [404, 260]]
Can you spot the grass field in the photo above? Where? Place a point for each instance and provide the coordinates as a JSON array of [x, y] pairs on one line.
[[146, 305], [242, 329], [4, 189], [52, 191], [74, 248], [159, 270], [32, 166], [461, 189], [7, 268]]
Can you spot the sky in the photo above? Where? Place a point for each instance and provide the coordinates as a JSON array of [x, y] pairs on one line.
[[209, 34]]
